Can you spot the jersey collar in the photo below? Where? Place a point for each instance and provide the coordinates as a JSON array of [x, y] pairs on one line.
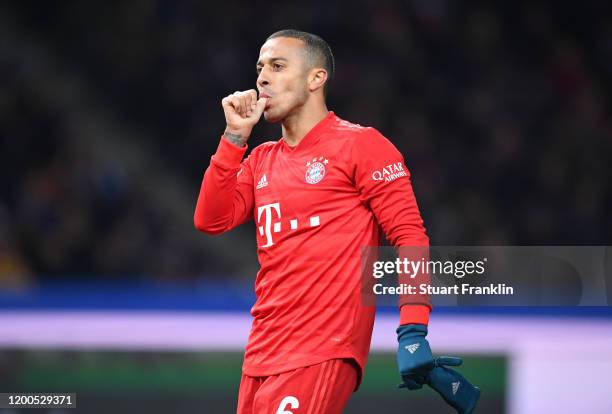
[[311, 137]]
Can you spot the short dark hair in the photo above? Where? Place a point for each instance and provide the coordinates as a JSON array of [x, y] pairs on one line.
[[317, 50]]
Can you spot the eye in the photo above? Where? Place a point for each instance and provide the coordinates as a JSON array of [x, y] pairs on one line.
[[277, 66]]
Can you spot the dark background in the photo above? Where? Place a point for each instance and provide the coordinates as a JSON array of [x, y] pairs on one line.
[[109, 112]]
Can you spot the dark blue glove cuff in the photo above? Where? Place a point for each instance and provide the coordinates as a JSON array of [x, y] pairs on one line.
[[411, 331]]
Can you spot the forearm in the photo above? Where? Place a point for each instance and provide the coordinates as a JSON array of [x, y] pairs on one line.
[[238, 139], [221, 206]]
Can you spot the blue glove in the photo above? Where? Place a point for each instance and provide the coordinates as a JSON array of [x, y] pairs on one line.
[[414, 358], [452, 386]]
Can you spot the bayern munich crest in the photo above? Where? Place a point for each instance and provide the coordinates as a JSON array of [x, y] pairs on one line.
[[315, 170]]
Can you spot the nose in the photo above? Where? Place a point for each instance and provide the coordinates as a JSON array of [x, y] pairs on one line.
[[262, 79]]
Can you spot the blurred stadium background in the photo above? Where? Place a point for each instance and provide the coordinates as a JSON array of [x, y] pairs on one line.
[[109, 112]]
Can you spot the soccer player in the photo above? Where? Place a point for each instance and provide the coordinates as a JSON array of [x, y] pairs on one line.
[[318, 195]]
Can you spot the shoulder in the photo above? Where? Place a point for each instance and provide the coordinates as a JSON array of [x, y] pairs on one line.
[[264, 148], [355, 131], [346, 129], [266, 145], [361, 138]]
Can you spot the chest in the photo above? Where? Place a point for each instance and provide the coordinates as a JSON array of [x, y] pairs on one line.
[[298, 193], [302, 181]]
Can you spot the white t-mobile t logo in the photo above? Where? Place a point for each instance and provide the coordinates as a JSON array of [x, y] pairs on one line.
[[267, 228]]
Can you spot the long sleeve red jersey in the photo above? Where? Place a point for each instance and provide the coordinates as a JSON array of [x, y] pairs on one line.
[[315, 206]]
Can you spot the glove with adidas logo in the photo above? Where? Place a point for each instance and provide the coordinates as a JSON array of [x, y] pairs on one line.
[[414, 358], [457, 391]]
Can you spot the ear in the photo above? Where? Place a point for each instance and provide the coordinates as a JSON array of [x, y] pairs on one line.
[[317, 79]]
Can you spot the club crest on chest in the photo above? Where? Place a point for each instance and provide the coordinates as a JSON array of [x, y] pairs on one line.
[[315, 170]]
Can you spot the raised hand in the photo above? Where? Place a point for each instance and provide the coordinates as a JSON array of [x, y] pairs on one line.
[[242, 111]]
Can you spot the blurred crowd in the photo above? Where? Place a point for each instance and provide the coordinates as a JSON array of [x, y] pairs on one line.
[[59, 212], [501, 110]]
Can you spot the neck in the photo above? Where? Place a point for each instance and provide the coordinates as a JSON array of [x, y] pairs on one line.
[[296, 126]]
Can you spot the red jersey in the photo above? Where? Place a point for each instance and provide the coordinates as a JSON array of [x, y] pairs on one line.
[[315, 206]]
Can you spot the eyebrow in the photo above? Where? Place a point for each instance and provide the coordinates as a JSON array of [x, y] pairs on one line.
[[271, 60]]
